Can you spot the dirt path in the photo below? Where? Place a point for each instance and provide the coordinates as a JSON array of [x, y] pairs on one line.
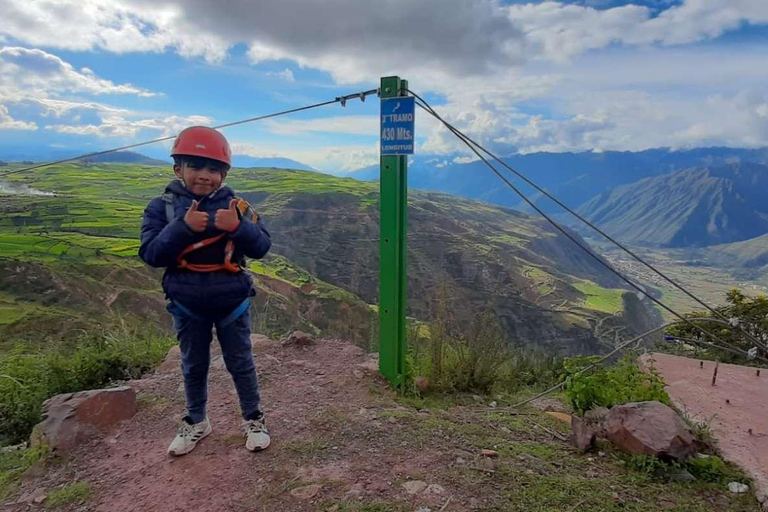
[[736, 404], [343, 442]]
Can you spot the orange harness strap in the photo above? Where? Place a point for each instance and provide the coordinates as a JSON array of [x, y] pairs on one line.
[[207, 267]]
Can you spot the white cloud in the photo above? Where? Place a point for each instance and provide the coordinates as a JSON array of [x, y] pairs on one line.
[[561, 31], [331, 159], [33, 73], [126, 127], [119, 26], [285, 74], [9, 123], [349, 125], [520, 77]]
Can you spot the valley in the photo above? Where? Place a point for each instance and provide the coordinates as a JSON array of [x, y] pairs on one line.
[[70, 259]]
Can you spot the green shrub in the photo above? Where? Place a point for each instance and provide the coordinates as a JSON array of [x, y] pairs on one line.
[[651, 465], [474, 358], [602, 386], [93, 361]]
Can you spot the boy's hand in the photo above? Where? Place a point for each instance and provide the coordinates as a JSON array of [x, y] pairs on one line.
[[197, 221], [227, 220]]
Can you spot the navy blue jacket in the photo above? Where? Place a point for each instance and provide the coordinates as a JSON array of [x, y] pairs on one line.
[[162, 242]]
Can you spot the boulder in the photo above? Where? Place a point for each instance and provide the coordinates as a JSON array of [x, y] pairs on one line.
[[73, 418], [650, 428]]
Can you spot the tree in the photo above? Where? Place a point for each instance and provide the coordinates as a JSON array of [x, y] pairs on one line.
[[750, 314]]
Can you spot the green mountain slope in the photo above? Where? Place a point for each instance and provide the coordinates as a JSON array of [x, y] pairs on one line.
[[691, 208], [544, 290]]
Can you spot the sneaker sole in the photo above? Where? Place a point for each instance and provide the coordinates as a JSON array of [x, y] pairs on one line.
[[206, 433], [259, 448]]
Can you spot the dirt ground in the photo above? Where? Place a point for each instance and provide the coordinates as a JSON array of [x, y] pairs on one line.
[[736, 408], [343, 441]]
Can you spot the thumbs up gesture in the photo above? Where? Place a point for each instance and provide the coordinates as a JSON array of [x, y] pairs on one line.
[[227, 220], [197, 221]]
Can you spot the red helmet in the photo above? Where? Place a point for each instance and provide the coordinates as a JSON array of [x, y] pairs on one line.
[[202, 141]]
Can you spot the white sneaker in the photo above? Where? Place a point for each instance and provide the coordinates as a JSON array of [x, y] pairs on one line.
[[256, 435], [188, 436]]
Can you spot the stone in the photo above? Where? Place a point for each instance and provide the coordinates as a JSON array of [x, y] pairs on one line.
[[172, 361], [306, 492], [683, 477], [73, 418], [414, 486], [37, 496], [434, 489], [738, 488], [421, 384], [548, 404], [583, 434], [370, 365], [649, 428], [299, 339], [489, 453]]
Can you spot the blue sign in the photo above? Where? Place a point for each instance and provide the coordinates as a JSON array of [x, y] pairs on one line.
[[397, 126]]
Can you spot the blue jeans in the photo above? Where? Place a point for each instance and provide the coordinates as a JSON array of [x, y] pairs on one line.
[[195, 336]]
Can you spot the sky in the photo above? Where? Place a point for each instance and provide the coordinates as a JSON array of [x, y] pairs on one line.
[[521, 77]]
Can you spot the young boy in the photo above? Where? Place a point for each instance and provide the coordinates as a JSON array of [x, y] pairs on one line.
[[201, 234]]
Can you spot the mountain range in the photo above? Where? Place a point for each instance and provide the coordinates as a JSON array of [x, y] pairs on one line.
[[133, 157], [572, 177], [690, 208]]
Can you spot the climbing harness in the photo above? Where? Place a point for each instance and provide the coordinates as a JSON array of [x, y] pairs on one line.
[[231, 317], [243, 209]]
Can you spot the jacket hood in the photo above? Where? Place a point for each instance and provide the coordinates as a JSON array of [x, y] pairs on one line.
[[177, 187]]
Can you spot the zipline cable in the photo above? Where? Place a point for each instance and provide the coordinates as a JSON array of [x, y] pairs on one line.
[[340, 99], [425, 106], [469, 142]]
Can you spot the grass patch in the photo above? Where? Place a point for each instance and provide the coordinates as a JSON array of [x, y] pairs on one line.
[[13, 464], [93, 361], [77, 493], [308, 448], [601, 299]]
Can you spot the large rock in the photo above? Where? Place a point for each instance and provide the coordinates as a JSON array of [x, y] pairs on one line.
[[650, 428], [73, 418]]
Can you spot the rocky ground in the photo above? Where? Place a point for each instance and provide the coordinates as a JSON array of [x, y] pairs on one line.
[[343, 441]]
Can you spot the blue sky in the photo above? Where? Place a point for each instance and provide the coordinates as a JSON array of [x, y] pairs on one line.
[[520, 76]]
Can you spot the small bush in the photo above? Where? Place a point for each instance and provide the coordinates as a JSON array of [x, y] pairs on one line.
[[474, 358], [602, 386], [710, 469], [94, 361]]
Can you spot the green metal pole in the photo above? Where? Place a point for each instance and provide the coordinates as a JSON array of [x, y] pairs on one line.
[[392, 264]]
